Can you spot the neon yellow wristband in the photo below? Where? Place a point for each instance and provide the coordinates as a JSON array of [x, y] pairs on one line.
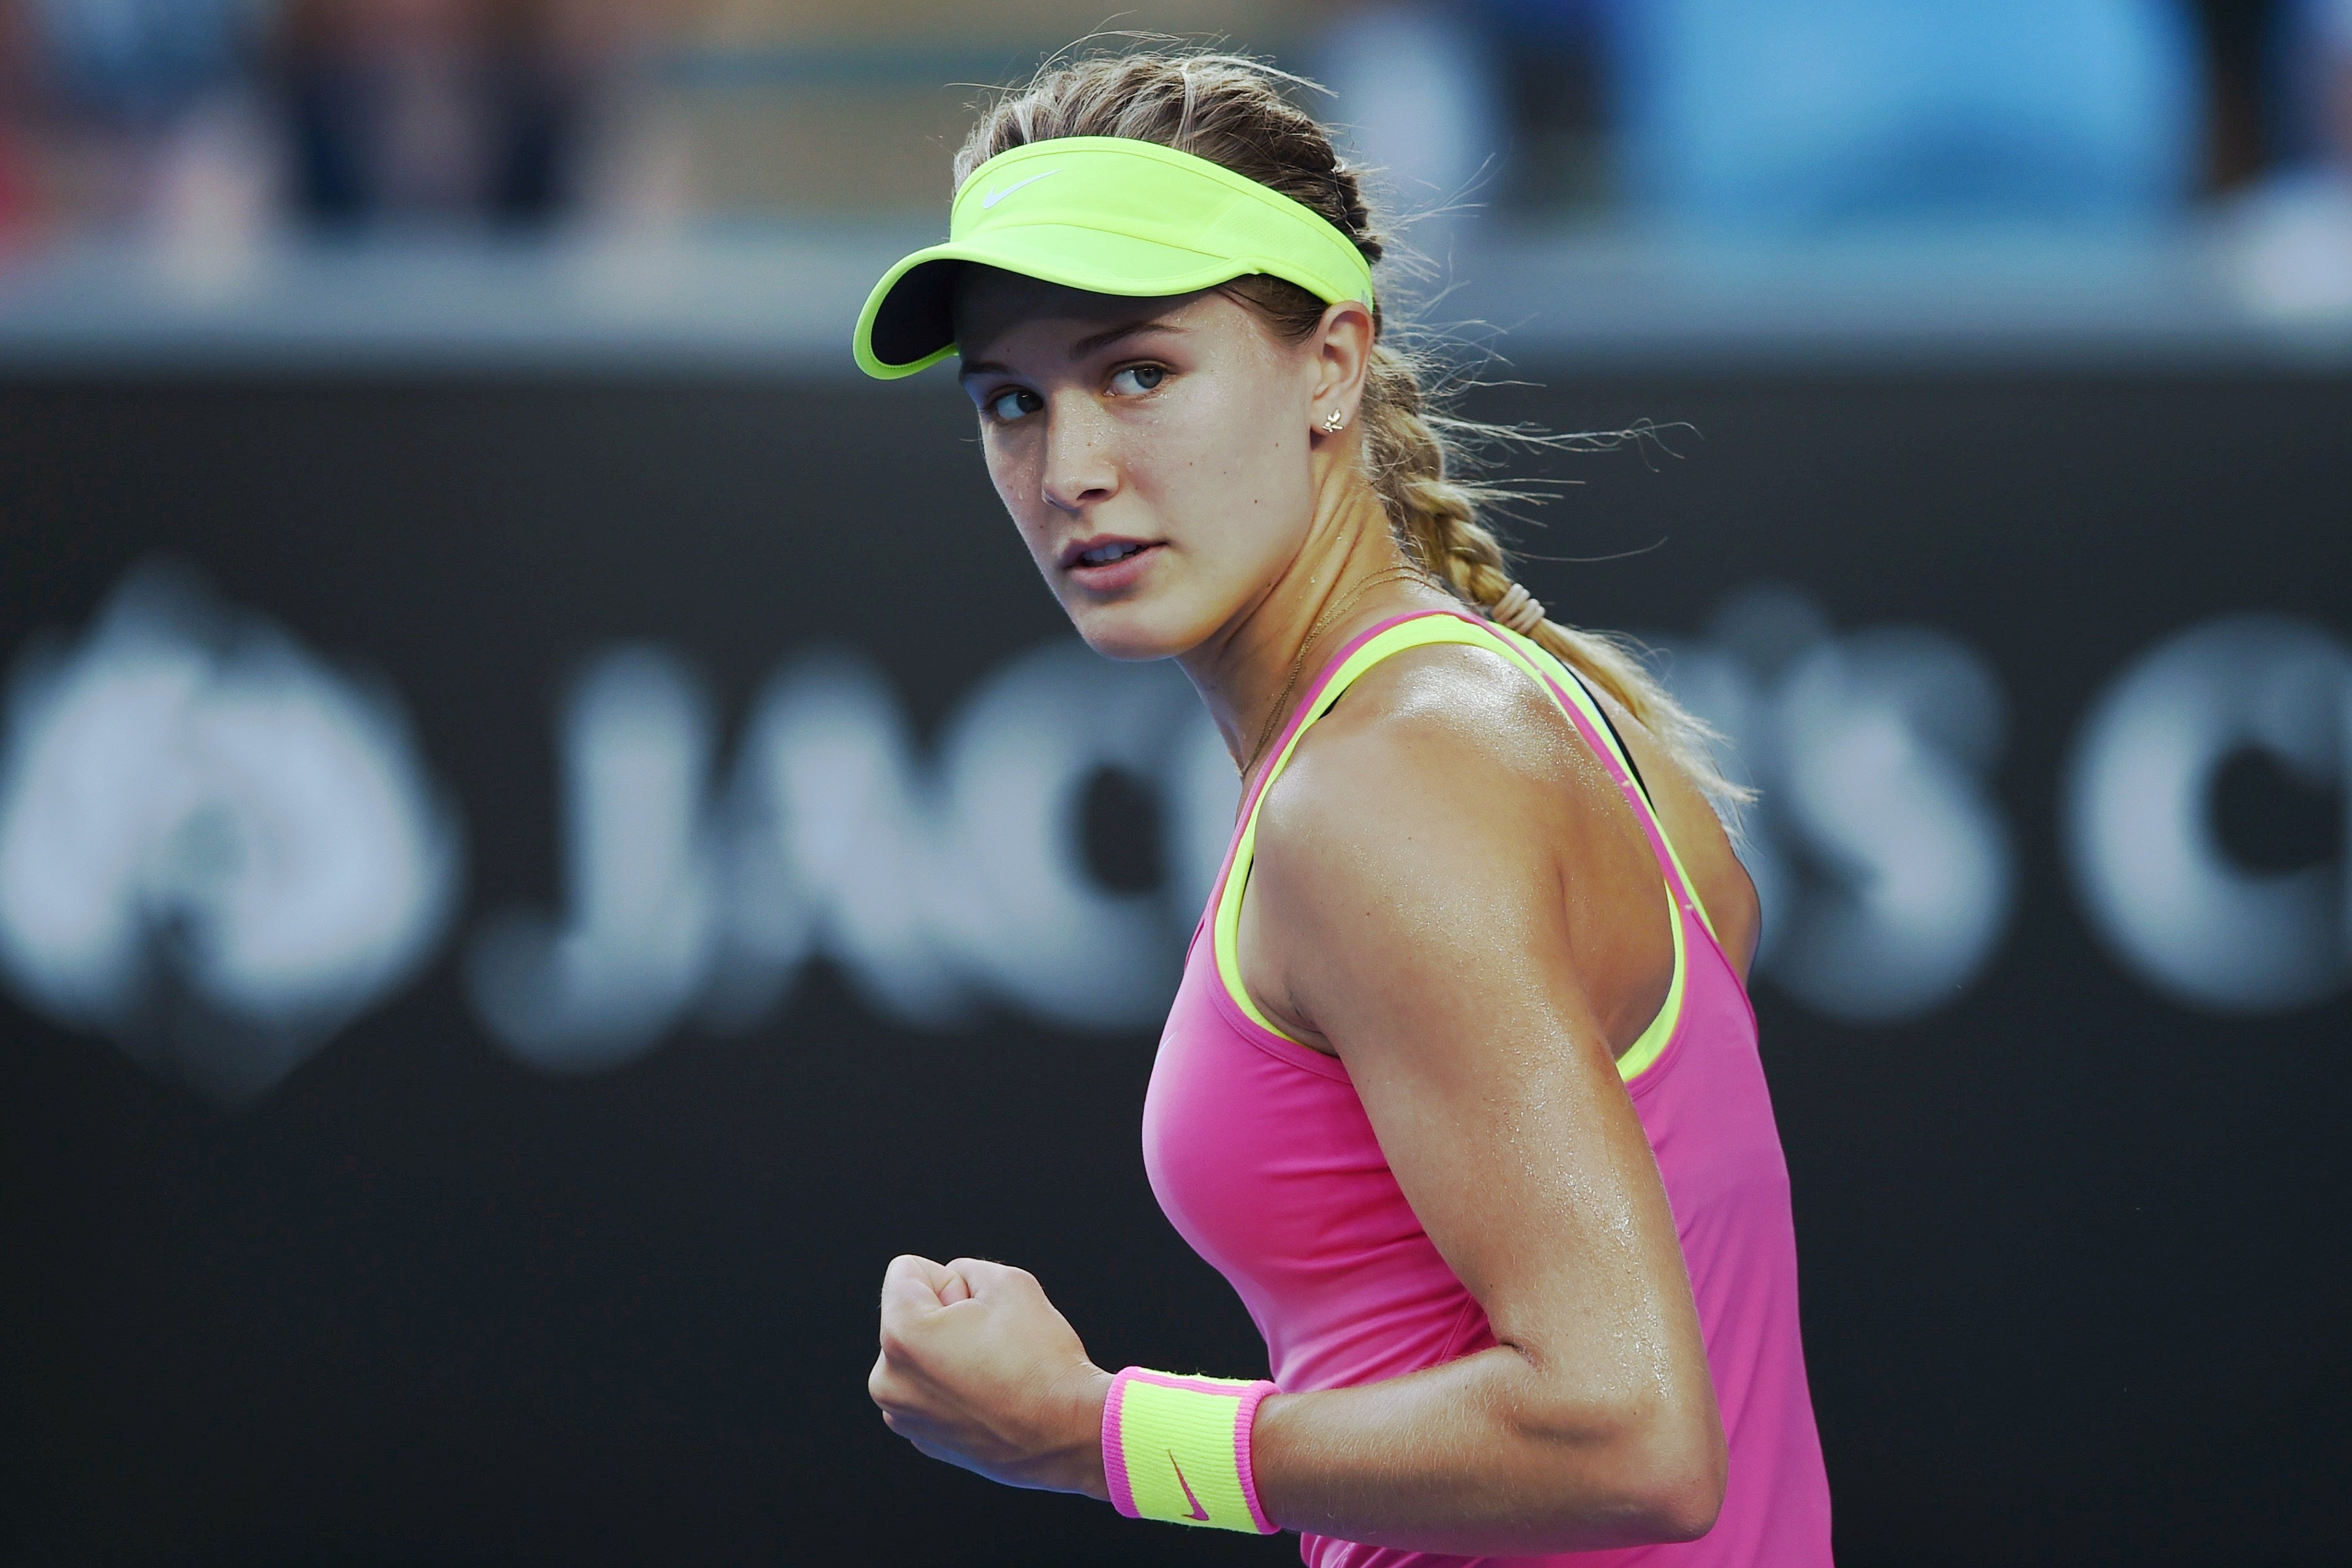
[[1178, 1448]]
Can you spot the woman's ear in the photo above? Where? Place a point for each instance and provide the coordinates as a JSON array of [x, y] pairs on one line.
[[1341, 352]]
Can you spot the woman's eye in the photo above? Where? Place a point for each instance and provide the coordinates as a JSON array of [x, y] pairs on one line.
[[1012, 403], [1138, 378]]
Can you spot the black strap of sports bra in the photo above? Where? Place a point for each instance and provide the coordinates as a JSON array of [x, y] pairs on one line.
[[1623, 750]]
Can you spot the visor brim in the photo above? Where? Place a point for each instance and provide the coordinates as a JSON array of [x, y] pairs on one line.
[[908, 322]]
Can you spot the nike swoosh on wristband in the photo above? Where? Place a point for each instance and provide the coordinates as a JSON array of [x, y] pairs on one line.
[[1198, 1511], [994, 196]]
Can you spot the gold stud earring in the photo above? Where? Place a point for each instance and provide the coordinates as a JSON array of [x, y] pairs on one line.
[[1332, 423]]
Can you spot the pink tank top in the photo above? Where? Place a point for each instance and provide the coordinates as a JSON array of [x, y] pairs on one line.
[[1261, 1156]]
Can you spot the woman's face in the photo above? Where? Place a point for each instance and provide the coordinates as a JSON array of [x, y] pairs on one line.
[[1156, 454]]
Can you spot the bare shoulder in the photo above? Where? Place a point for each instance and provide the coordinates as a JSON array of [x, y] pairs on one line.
[[1445, 817], [1450, 735], [1445, 773]]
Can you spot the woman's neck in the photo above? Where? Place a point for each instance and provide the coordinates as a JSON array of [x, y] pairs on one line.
[[1351, 563]]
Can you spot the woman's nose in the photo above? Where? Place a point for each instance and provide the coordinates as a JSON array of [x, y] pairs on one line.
[[1081, 467]]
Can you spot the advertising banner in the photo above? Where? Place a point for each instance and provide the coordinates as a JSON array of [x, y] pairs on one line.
[[517, 897]]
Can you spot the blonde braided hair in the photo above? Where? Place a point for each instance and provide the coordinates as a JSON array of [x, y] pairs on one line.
[[1231, 110]]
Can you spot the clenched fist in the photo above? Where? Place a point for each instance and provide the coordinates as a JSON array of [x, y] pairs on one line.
[[977, 1368]]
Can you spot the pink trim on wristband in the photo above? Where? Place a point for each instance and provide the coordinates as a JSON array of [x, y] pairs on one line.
[[1122, 1495], [1244, 1425]]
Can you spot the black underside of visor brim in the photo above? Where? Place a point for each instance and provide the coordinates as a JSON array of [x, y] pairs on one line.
[[918, 316]]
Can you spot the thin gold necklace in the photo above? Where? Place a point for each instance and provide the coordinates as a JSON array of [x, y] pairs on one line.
[[1322, 622]]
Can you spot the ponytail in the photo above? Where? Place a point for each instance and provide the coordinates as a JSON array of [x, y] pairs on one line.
[[1436, 516]]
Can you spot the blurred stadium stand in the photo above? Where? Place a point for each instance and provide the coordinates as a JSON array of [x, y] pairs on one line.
[[260, 180]]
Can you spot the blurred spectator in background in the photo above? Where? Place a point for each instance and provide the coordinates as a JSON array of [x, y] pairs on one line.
[[208, 120], [440, 110], [2244, 45], [2326, 42], [136, 103], [16, 124], [2282, 154], [1555, 71], [2279, 98], [1416, 96]]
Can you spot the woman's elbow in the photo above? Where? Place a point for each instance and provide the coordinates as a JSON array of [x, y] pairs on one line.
[[1648, 1469], [1660, 1477], [1684, 1507], [1679, 1493]]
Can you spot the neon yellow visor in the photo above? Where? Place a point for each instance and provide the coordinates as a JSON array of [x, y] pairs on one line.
[[1110, 216]]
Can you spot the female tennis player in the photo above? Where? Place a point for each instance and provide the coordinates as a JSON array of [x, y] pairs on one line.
[[1461, 1089]]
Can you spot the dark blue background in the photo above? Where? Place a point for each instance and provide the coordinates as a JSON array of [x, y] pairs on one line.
[[2075, 1270]]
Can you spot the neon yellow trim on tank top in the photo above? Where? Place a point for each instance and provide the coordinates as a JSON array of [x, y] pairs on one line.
[[1417, 633], [1424, 631]]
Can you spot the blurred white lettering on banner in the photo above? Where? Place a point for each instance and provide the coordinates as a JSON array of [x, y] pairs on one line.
[[217, 849], [2157, 881], [214, 849], [1885, 872], [599, 988], [933, 889]]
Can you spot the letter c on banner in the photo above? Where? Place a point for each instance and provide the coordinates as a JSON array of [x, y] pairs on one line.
[[2159, 885]]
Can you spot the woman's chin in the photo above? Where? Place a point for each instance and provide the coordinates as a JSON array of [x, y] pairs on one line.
[[1131, 632]]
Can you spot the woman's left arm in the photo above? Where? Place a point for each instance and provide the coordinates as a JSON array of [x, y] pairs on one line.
[[1442, 896]]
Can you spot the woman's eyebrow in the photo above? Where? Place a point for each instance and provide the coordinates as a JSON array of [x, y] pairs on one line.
[[1100, 341], [1092, 344]]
